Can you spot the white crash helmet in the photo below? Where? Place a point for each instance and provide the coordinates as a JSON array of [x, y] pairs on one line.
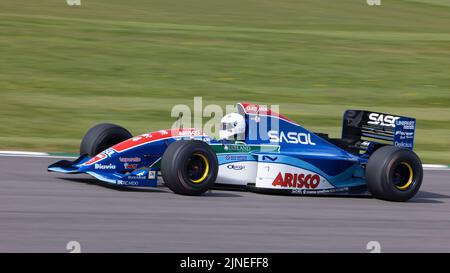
[[232, 127]]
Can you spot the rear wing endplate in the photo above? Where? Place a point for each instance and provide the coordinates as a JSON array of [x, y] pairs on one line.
[[360, 125]]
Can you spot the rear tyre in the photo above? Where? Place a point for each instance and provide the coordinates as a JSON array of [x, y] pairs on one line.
[[394, 174], [189, 167], [101, 137]]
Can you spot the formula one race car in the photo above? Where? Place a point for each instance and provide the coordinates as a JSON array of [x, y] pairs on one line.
[[262, 151]]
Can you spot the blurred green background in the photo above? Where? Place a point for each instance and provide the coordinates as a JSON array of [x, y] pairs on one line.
[[65, 68]]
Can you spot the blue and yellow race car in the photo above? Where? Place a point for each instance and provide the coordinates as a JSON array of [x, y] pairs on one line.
[[262, 151]]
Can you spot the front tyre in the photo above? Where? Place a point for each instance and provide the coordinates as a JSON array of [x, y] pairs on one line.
[[394, 174], [101, 137], [189, 167]]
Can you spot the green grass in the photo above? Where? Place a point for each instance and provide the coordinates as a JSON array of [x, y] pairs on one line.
[[64, 68]]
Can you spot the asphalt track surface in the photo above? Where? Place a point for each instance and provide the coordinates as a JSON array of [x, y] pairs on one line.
[[42, 212]]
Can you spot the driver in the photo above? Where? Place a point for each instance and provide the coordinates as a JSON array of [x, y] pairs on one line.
[[232, 127]]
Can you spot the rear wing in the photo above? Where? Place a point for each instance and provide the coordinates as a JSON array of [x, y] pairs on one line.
[[361, 127]]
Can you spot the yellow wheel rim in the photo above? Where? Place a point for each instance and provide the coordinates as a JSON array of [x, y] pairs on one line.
[[205, 174], [410, 179]]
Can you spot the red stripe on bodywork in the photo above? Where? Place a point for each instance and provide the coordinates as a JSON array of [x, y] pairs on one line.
[[155, 136], [147, 138], [256, 109]]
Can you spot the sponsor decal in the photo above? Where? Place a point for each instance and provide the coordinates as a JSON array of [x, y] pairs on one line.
[[297, 180], [238, 148], [235, 167], [408, 145], [407, 124], [130, 160], [291, 137], [151, 174], [97, 158], [404, 135], [236, 157], [105, 167], [141, 173], [382, 120], [190, 133], [130, 166], [255, 108], [144, 136], [128, 183], [139, 176], [107, 153], [136, 177], [269, 158], [318, 192]]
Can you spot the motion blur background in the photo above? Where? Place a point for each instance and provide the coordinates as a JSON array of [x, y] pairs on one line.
[[64, 68]]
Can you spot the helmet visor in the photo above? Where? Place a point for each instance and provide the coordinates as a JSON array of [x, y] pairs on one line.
[[228, 126]]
